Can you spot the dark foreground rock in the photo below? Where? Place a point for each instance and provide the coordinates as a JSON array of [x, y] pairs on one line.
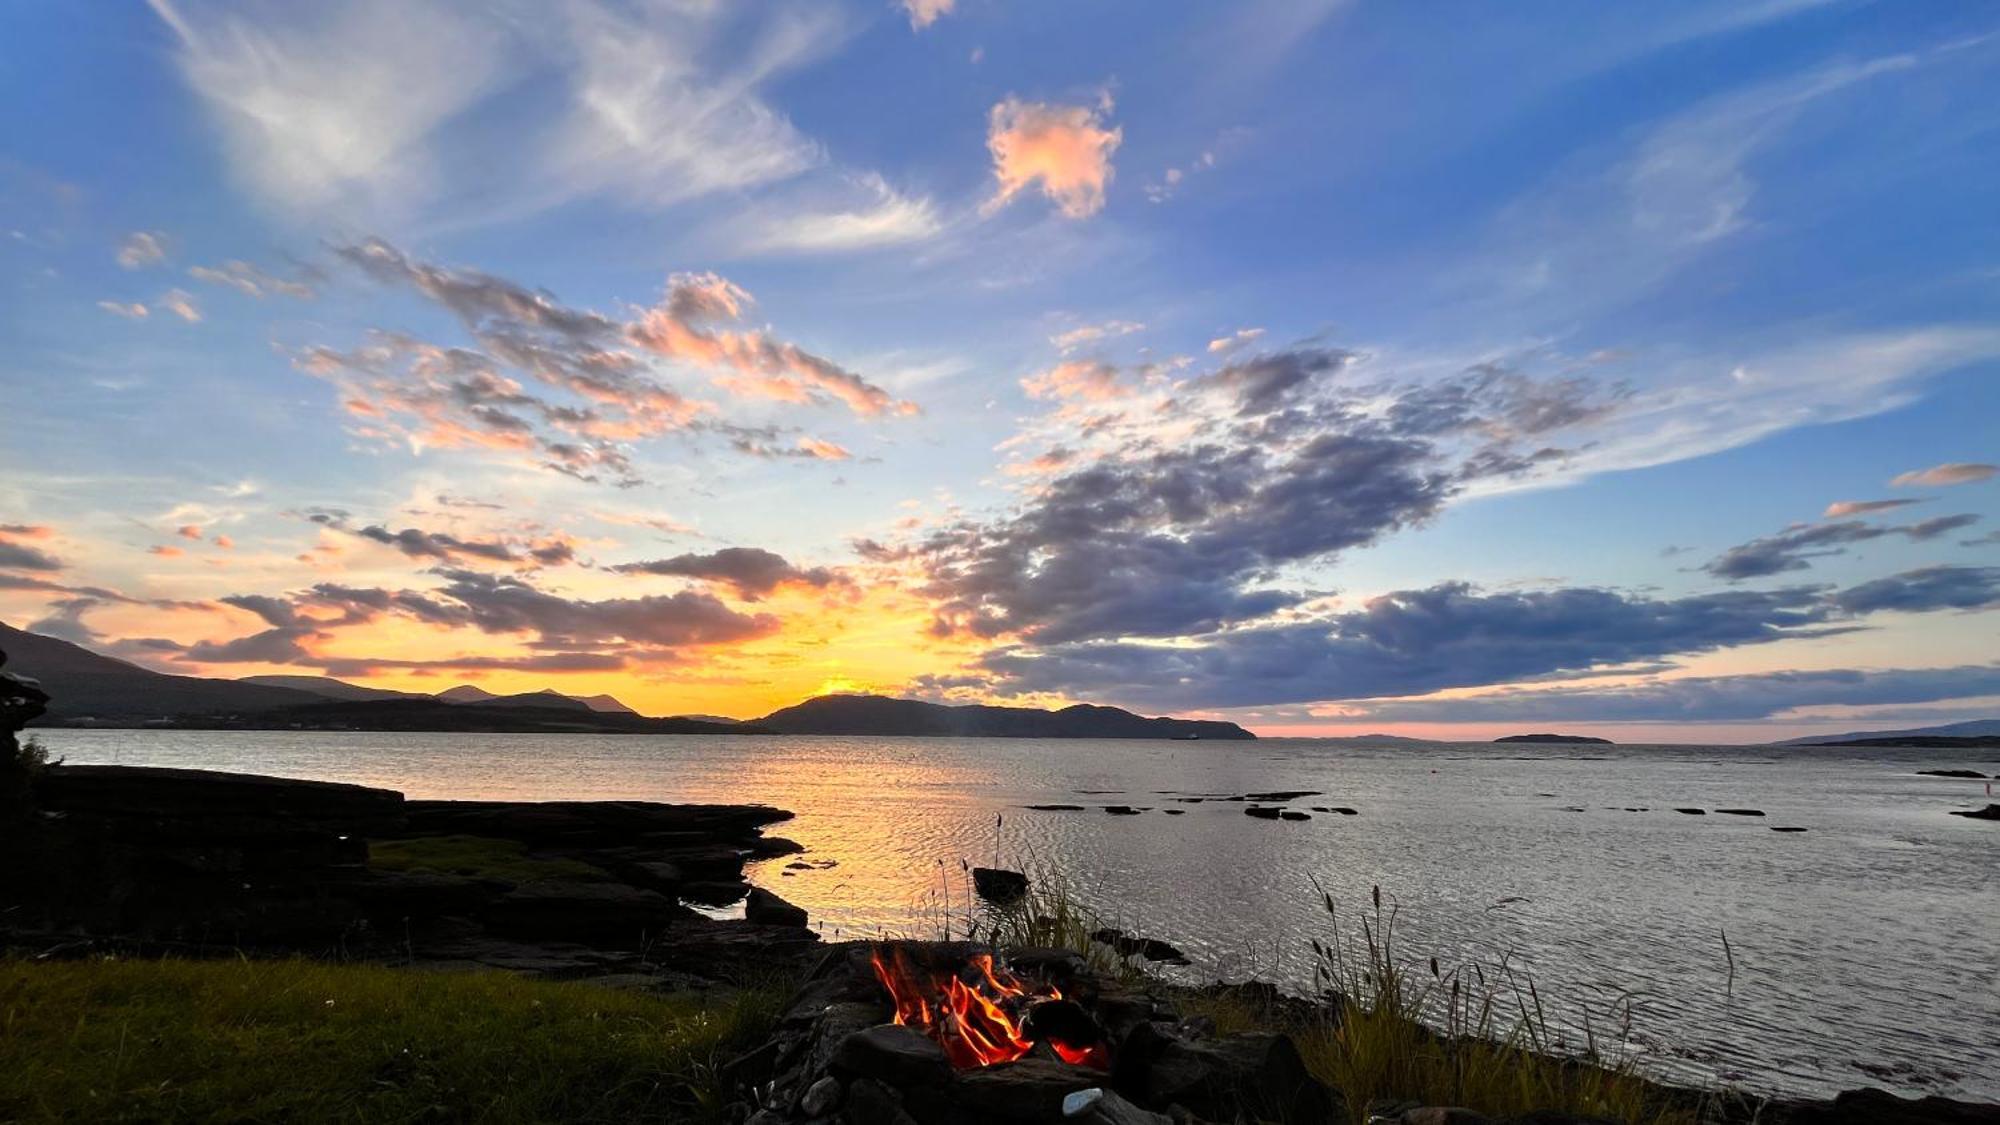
[[1990, 812], [997, 884], [198, 862]]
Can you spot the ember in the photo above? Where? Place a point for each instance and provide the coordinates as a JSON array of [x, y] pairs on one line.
[[982, 1014]]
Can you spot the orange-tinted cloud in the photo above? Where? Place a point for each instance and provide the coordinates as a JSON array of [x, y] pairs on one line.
[[924, 13], [1066, 150], [1087, 379]]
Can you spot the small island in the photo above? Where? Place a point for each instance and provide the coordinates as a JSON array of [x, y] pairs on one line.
[[1577, 738]]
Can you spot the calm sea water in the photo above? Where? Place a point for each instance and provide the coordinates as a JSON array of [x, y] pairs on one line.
[[1870, 941]]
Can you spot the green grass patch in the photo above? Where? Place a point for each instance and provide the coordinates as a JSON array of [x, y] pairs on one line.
[[302, 1041], [478, 856]]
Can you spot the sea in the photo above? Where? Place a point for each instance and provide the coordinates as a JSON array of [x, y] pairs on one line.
[[1708, 948]]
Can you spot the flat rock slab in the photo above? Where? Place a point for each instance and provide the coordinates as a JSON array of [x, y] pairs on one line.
[[210, 796]]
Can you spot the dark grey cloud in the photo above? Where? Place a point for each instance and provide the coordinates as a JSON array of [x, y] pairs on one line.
[[1920, 591], [1184, 536], [1176, 541], [1793, 548], [279, 644], [1703, 699], [65, 621], [1264, 383], [1412, 642], [15, 555], [540, 662], [511, 605], [751, 571]]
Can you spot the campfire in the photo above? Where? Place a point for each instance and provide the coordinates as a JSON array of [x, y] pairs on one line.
[[955, 1033], [982, 1015]]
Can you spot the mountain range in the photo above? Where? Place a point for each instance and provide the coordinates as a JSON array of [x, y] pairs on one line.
[[87, 688], [1973, 728]]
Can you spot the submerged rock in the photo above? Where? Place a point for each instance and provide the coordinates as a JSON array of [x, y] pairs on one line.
[[1122, 810], [1990, 812], [1786, 828], [1693, 812], [1741, 812], [1056, 808], [1973, 774], [1294, 814], [1262, 813]]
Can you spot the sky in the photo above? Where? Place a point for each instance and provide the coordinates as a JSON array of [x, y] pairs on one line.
[[1332, 366]]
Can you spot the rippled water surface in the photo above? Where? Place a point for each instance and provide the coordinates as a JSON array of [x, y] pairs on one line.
[[1872, 940]]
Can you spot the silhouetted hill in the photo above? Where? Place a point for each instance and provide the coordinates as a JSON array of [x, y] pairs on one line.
[[541, 699], [425, 714], [880, 715], [1582, 738], [83, 684], [547, 697], [329, 688], [1974, 728]]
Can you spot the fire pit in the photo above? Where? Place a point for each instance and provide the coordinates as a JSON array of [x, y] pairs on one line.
[[942, 1033]]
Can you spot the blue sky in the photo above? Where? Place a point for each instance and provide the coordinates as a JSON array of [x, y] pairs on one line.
[[1332, 366]]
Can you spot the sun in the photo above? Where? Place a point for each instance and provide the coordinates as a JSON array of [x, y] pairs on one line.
[[837, 685]]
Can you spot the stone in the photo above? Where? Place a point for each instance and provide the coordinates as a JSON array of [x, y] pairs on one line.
[[821, 1097], [1055, 808], [1693, 812], [1345, 811], [581, 911], [1282, 795], [1786, 828], [763, 907], [871, 1103], [995, 884], [1176, 812], [1257, 1074], [1293, 814], [1122, 810], [1104, 1107], [1741, 812], [1262, 813], [891, 1053], [1973, 774], [1990, 812]]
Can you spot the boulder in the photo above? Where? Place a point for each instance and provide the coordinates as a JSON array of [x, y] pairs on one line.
[[1263, 813], [996, 884], [765, 908], [1256, 1075], [1973, 774], [891, 1053], [1879, 1107], [1990, 812]]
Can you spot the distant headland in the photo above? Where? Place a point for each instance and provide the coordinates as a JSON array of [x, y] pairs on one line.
[[94, 690], [1583, 738]]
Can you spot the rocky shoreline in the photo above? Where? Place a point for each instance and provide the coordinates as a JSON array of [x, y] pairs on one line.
[[194, 861]]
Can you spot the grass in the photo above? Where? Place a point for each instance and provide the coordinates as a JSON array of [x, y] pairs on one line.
[[478, 856], [1387, 1028], [309, 1042]]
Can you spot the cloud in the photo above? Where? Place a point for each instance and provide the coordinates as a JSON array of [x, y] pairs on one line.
[[1702, 699], [1090, 380], [924, 13], [65, 621], [751, 571], [1260, 385], [181, 303], [142, 248], [1925, 590], [1178, 503], [130, 310], [17, 555], [1951, 472], [420, 544], [1222, 345], [1412, 642], [1084, 334], [251, 281], [335, 107], [1842, 508], [1791, 548], [881, 217], [1066, 150], [601, 359]]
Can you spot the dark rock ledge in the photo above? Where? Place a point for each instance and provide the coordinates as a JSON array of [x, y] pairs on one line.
[[195, 861]]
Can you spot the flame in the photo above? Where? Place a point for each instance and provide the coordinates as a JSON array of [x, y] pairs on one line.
[[978, 1022]]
